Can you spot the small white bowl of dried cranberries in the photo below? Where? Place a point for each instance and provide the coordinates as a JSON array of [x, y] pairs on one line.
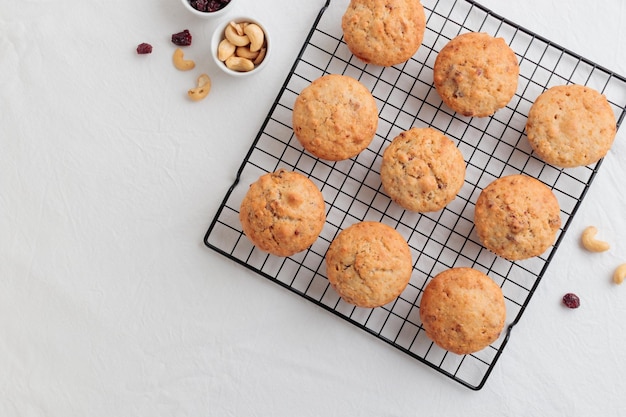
[[208, 8]]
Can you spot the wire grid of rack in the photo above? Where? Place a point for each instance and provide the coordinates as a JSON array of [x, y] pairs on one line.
[[492, 147]]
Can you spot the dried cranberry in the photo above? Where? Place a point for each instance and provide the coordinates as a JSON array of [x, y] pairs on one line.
[[144, 48], [208, 5], [202, 5], [182, 38], [215, 5], [571, 300]]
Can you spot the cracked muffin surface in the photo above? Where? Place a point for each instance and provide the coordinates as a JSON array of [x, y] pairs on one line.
[[422, 170], [369, 264], [384, 32], [282, 213]]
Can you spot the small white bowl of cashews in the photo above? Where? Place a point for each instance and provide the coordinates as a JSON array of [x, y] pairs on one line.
[[241, 46]]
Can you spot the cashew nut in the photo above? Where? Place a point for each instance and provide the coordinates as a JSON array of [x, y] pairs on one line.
[[245, 52], [235, 38], [225, 50], [591, 243], [619, 274], [238, 27], [180, 62], [256, 36], [260, 57], [237, 63], [202, 90]]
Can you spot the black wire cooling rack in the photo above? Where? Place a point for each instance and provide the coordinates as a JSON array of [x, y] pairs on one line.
[[492, 147]]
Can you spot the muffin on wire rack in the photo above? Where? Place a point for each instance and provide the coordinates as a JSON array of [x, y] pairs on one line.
[[335, 117], [369, 264], [462, 310], [422, 170], [517, 217], [283, 213], [571, 125], [384, 32], [476, 74]]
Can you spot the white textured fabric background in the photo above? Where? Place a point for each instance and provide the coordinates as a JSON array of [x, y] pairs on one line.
[[110, 305]]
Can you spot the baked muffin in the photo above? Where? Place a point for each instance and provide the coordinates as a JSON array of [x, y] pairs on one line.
[[571, 125], [422, 170], [476, 74], [335, 117], [384, 32], [369, 264], [517, 217], [282, 213], [462, 310]]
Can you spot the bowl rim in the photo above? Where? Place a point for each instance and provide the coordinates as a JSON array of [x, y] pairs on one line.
[[208, 15], [218, 35]]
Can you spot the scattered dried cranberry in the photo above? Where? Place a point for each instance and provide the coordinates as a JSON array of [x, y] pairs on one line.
[[571, 300], [208, 5], [144, 48], [182, 38]]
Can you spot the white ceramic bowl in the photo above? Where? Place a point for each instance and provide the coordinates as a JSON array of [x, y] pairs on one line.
[[218, 36], [209, 15]]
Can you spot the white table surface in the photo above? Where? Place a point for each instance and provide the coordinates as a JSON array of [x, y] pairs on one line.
[[110, 304]]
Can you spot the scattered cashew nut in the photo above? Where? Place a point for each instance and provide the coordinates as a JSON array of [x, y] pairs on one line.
[[244, 46], [181, 63], [619, 274], [202, 90], [591, 243]]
